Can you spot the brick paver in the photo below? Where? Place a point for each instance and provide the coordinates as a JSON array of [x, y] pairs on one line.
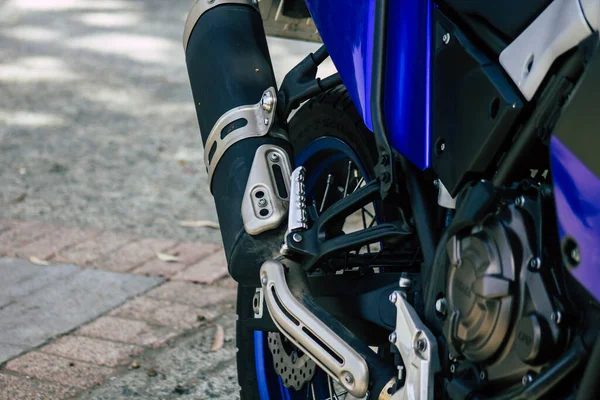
[[22, 388], [84, 254], [133, 254], [49, 367], [192, 294], [187, 254], [59, 238], [20, 234], [91, 350], [128, 331], [208, 270], [163, 313]]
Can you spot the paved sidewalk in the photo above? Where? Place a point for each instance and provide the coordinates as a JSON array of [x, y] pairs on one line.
[[99, 315]]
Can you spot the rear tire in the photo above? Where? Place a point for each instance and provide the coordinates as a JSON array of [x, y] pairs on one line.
[[330, 114]]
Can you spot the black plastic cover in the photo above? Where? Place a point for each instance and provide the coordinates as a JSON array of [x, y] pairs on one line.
[[474, 107]]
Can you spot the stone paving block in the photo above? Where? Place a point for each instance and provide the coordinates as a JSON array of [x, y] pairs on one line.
[[89, 251], [91, 350], [133, 254], [49, 245], [208, 270], [128, 331], [8, 351], [21, 278], [67, 304], [192, 294], [163, 313], [228, 282], [49, 367], [21, 388], [21, 234]]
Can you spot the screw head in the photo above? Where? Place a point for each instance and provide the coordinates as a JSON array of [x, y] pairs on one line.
[[264, 280], [274, 157], [349, 379], [452, 368], [520, 201], [556, 317], [443, 146], [392, 338], [262, 202], [394, 297], [297, 237], [482, 375], [267, 101], [420, 345], [436, 183], [527, 379], [266, 121], [575, 255], [441, 305], [446, 38], [535, 263]]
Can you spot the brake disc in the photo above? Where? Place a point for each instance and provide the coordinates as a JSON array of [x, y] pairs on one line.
[[294, 368]]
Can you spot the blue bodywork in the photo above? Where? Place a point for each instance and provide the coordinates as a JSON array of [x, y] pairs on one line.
[[347, 29]]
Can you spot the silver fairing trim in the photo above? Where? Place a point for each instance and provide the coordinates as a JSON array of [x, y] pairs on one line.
[[558, 29], [202, 6]]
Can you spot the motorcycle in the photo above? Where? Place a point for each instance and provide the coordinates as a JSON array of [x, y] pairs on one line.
[[425, 223]]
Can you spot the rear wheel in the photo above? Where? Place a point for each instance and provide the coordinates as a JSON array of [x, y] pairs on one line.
[[330, 140]]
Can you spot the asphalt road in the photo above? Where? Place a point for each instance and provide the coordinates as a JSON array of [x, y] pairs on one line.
[[97, 124]]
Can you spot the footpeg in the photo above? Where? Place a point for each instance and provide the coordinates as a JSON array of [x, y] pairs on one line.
[[310, 334]]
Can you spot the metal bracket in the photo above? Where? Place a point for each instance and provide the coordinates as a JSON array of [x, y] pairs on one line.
[[257, 303], [238, 124], [310, 334], [265, 202], [558, 29], [418, 349], [313, 243], [202, 6]]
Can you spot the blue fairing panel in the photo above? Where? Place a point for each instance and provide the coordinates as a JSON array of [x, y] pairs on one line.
[[346, 28], [407, 78]]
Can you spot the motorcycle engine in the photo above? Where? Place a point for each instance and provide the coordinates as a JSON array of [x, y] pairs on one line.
[[504, 318]]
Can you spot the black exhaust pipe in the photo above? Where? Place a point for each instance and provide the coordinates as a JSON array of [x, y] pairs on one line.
[[229, 67]]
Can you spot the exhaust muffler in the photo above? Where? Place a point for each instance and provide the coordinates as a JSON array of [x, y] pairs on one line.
[[246, 153]]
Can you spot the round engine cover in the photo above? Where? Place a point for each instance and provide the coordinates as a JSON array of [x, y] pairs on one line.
[[480, 296]]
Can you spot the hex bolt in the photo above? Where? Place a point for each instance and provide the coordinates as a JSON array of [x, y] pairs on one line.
[[556, 317], [436, 183], [527, 379], [264, 279], [266, 121], [441, 305], [446, 38], [420, 345], [520, 201], [393, 336], [262, 202], [535, 263], [297, 237], [349, 379], [394, 297], [274, 157], [404, 281]]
